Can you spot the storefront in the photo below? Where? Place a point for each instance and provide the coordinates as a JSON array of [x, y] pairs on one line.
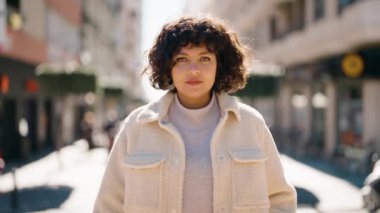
[[350, 113], [333, 107], [20, 104], [71, 87], [306, 110], [358, 119], [261, 90]]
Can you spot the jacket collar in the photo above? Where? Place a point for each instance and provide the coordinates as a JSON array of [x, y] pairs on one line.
[[158, 110]]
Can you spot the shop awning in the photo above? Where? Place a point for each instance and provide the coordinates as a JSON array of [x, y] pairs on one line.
[[113, 92], [63, 79], [263, 80], [260, 86]]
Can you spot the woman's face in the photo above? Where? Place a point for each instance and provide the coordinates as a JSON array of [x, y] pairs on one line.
[[193, 75]]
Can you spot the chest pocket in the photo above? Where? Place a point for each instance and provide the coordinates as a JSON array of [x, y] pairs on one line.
[[249, 185], [143, 182]]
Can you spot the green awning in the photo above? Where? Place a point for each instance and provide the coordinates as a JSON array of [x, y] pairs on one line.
[[56, 79], [113, 92], [260, 86]]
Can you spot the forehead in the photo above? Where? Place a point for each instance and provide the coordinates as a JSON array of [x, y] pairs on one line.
[[191, 48]]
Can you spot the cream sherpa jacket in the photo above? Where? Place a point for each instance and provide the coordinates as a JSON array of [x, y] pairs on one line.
[[145, 170]]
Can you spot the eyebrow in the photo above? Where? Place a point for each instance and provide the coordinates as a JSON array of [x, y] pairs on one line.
[[201, 53]]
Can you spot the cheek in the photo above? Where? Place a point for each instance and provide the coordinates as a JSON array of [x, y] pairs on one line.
[[175, 76], [213, 79], [213, 73]]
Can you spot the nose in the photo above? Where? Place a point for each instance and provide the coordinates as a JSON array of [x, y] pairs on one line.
[[193, 69]]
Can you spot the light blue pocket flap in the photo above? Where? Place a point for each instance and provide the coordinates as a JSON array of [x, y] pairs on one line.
[[143, 160]]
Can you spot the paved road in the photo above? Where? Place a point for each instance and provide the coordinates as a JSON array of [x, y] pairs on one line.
[[321, 192], [68, 181]]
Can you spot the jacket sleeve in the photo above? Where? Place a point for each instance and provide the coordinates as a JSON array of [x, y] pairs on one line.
[[282, 195], [110, 197]]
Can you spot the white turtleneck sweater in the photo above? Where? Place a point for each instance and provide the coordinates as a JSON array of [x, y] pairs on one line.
[[196, 127]]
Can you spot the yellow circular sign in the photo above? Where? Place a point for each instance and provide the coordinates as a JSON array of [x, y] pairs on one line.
[[352, 65]]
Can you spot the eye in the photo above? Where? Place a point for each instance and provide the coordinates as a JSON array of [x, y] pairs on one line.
[[180, 59], [205, 58]]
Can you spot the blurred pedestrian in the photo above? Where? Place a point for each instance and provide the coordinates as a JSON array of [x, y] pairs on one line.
[[87, 125], [2, 163], [110, 130], [196, 149]]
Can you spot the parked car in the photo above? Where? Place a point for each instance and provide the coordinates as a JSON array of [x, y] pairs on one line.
[[371, 189]]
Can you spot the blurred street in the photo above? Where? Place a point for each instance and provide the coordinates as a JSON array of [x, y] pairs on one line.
[[69, 181], [64, 182], [72, 69]]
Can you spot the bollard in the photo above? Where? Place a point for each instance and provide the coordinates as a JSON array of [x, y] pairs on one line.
[[15, 202]]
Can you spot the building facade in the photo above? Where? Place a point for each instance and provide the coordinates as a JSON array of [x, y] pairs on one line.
[[111, 39], [43, 105], [24, 46]]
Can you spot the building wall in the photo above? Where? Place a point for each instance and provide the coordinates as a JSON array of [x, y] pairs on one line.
[[62, 32], [111, 35], [371, 117], [28, 42], [35, 16], [63, 27], [99, 43], [63, 37], [25, 48], [330, 119], [99, 38], [334, 34], [69, 9], [131, 21]]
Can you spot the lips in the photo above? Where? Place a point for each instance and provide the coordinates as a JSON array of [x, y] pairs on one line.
[[193, 82]]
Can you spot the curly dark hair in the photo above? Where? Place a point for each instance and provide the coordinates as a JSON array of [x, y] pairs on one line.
[[232, 56]]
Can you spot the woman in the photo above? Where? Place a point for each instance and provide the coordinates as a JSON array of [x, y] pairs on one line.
[[196, 149]]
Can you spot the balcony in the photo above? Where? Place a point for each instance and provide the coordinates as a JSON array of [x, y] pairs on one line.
[[356, 26]]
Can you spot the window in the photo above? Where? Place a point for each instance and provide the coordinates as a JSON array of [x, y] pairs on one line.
[[273, 29], [297, 15], [14, 4], [319, 9], [290, 17]]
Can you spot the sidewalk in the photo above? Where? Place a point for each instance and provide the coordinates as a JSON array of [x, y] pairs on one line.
[[319, 191], [67, 181]]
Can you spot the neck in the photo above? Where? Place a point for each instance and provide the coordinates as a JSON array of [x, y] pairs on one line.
[[195, 103]]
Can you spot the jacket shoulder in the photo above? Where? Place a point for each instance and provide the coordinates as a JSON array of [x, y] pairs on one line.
[[134, 115], [249, 113]]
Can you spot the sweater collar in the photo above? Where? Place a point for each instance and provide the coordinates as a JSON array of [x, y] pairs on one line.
[[158, 110], [200, 118]]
